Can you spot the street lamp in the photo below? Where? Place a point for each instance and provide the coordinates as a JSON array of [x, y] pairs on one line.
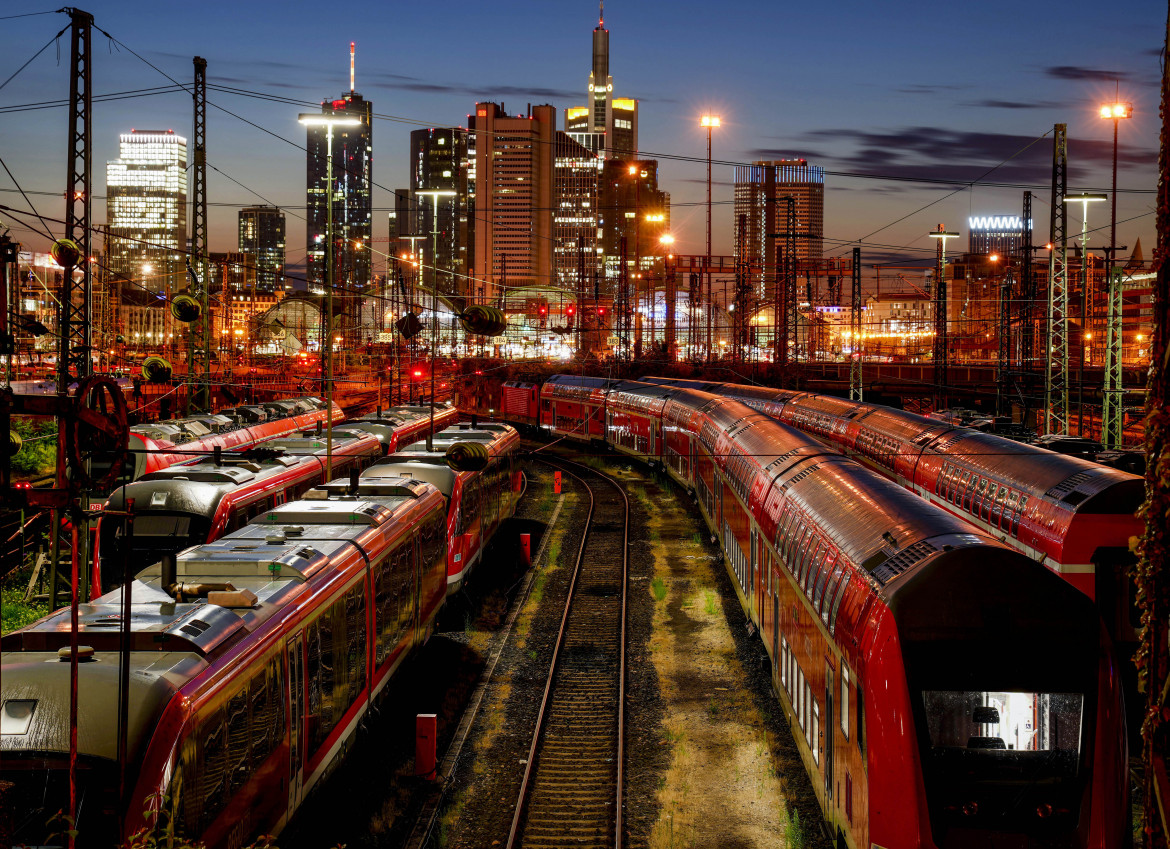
[[1111, 414], [709, 121], [434, 195], [1084, 199], [328, 120]]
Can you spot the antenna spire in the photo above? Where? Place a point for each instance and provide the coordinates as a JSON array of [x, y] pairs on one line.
[[351, 67], [601, 15]]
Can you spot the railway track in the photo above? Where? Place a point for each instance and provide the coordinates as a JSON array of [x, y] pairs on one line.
[[571, 793]]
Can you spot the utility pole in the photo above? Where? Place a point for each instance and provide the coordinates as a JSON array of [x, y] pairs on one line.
[[1004, 334], [1027, 290]]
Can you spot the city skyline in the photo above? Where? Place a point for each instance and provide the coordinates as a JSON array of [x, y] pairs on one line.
[[992, 102]]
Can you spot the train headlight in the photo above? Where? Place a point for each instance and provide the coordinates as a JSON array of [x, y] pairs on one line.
[[970, 809], [1044, 810]]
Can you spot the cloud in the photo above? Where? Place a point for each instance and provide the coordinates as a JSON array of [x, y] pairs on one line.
[[1016, 104], [949, 156], [1078, 74], [923, 88]]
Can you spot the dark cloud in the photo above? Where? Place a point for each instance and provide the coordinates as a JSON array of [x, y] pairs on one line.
[[923, 88], [958, 156], [1077, 74], [1015, 104]]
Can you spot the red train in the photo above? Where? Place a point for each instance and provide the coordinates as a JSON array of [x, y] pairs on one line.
[[235, 428], [252, 660], [944, 689], [1074, 516], [477, 500]]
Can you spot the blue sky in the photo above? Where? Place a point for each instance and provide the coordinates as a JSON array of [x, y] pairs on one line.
[[889, 90]]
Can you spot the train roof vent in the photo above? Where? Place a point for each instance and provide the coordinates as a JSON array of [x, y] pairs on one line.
[[324, 513], [787, 455], [892, 567], [946, 444], [1063, 491], [206, 474], [803, 473]]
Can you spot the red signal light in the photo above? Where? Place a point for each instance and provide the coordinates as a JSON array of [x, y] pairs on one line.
[[418, 372], [570, 310]]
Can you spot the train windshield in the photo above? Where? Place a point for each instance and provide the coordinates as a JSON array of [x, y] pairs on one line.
[[1004, 760], [155, 534]]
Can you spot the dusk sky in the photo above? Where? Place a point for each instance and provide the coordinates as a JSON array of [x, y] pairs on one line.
[[951, 92]]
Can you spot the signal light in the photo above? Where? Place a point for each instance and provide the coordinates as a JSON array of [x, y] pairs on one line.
[[571, 310]]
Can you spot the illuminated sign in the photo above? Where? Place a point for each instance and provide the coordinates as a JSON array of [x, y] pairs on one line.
[[576, 112], [625, 104], [997, 223]]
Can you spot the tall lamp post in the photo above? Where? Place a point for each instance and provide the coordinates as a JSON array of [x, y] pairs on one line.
[[941, 353], [709, 121], [1084, 199], [669, 301], [434, 195], [328, 120], [1111, 412]]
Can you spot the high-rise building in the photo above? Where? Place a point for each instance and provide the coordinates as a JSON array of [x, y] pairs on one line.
[[262, 235], [146, 210], [349, 194], [995, 234], [612, 123], [761, 209], [577, 174], [634, 214], [513, 200], [443, 205]]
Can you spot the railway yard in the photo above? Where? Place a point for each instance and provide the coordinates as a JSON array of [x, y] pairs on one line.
[[622, 613], [709, 759]]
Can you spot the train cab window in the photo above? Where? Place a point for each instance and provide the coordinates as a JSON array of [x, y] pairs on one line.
[[844, 706]]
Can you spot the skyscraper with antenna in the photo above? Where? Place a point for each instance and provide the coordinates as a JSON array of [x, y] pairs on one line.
[[350, 194], [607, 125]]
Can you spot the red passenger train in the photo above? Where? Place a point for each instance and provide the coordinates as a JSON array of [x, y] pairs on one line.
[[1074, 516], [252, 658], [944, 690], [237, 428]]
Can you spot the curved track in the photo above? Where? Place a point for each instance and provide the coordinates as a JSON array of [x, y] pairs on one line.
[[571, 794]]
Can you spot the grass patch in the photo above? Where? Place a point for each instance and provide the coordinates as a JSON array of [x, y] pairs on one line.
[[709, 603], [658, 588], [795, 832], [15, 612]]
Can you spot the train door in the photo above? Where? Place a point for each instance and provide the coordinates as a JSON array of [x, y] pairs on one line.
[[296, 724], [828, 725]]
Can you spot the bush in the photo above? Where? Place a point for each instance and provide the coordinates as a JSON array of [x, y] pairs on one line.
[[38, 455]]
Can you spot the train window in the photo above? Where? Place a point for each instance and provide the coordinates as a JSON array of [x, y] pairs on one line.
[[807, 557], [267, 694], [320, 673], [185, 804], [239, 755], [213, 758], [814, 735], [844, 706], [861, 721], [384, 603], [355, 641], [841, 587], [784, 662], [822, 580], [800, 697], [238, 519]]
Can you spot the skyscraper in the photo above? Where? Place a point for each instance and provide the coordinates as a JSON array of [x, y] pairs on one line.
[[577, 173], [761, 208], [439, 164], [262, 235], [146, 210], [513, 158], [617, 118], [350, 194]]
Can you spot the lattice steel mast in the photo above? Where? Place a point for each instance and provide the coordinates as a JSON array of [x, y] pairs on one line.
[[855, 385], [1056, 373], [199, 336]]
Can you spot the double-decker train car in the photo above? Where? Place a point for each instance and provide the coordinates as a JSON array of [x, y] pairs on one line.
[[157, 445], [1074, 516], [944, 689], [573, 406], [478, 500], [193, 503], [397, 427], [252, 660]]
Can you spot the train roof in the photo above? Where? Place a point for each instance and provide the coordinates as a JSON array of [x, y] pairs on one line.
[[275, 558]]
